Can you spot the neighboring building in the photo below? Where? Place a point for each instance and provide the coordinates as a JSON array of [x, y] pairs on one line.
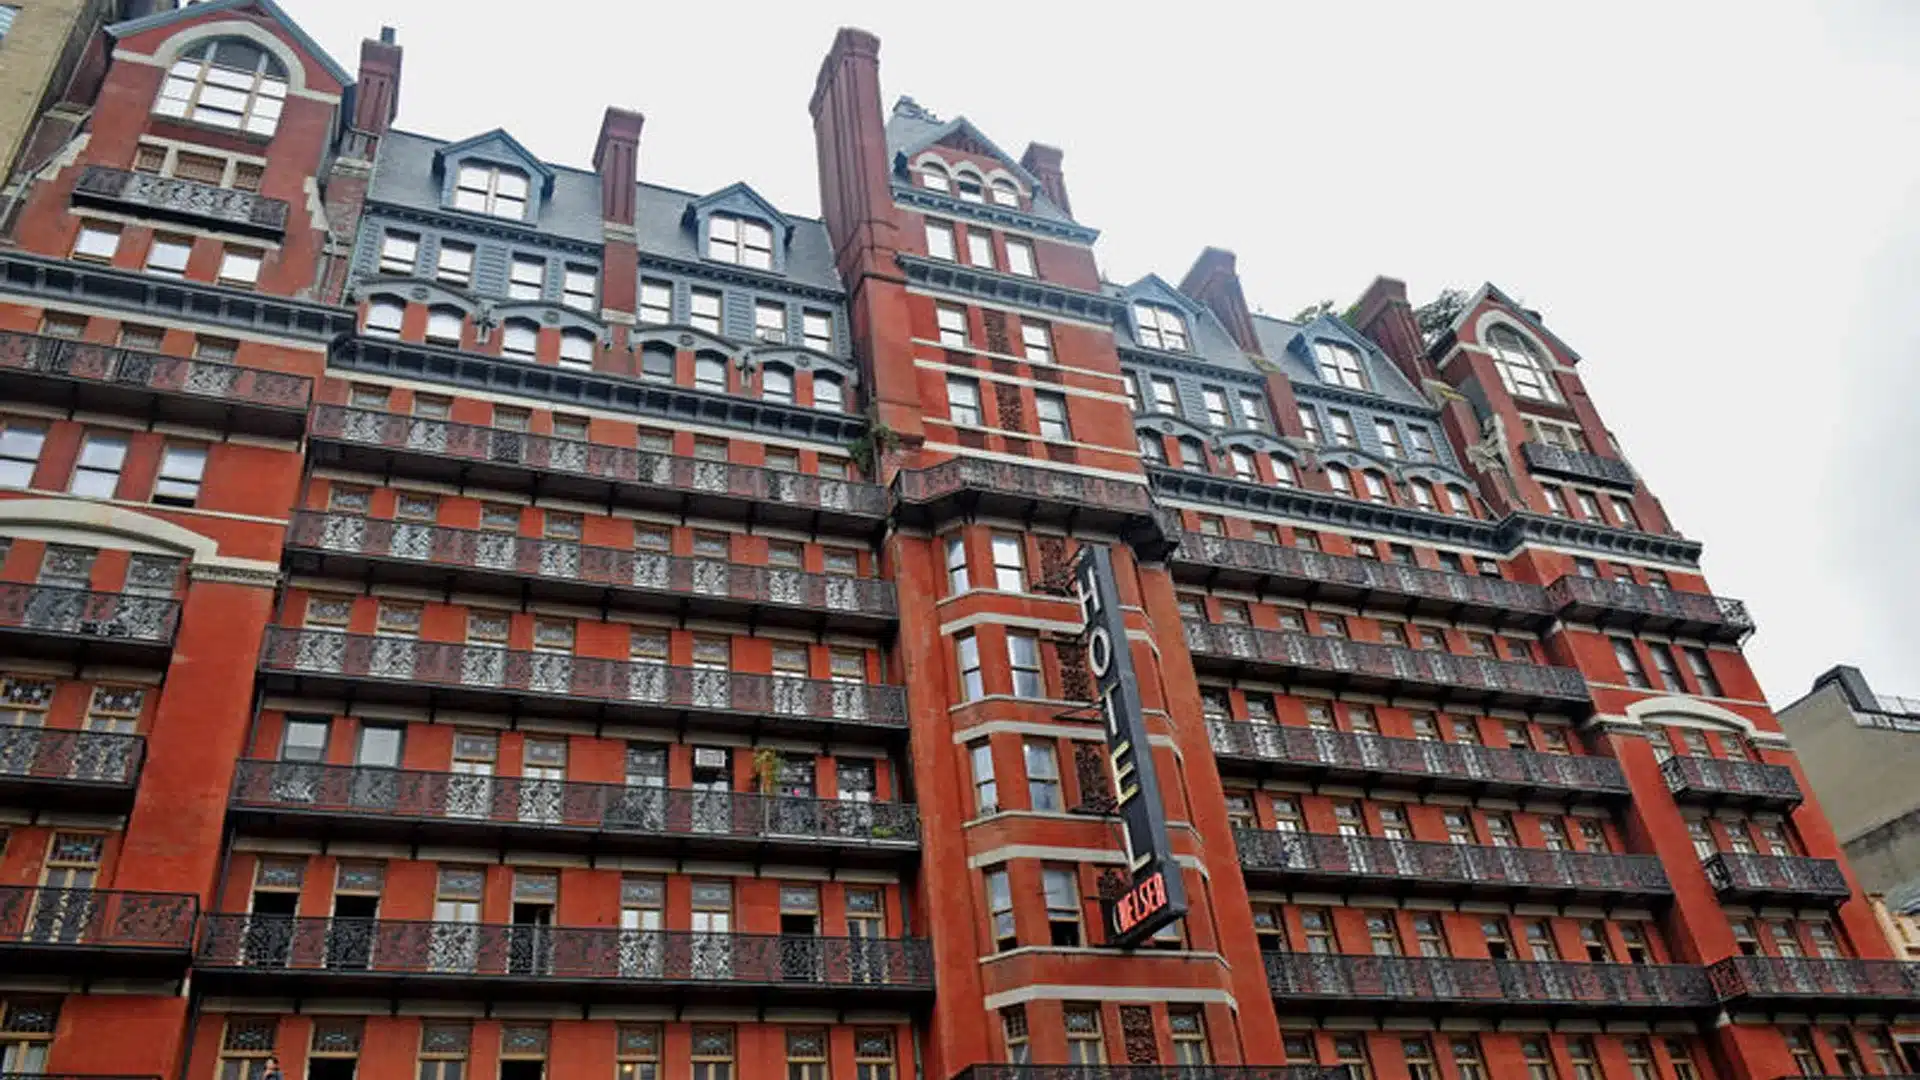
[[1861, 750], [1899, 914], [463, 615]]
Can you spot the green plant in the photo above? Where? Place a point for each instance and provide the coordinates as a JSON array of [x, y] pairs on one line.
[[873, 445]]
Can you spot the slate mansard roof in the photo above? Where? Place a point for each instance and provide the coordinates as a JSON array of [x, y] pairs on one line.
[[911, 129]]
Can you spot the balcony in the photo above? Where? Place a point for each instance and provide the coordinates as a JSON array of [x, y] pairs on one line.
[[1577, 465], [1828, 985], [95, 933], [1494, 988], [1036, 495], [1279, 750], [1777, 879], [1375, 864], [1151, 1072], [280, 955], [1309, 576], [421, 553], [365, 803], [1341, 664], [1626, 606], [493, 458], [1751, 785], [102, 627], [58, 769], [440, 675], [82, 376], [173, 199]]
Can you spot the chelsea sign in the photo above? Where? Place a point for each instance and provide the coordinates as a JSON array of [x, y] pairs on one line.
[[1155, 896]]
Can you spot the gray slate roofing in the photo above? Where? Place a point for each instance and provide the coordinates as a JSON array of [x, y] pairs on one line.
[[1278, 337], [911, 129], [1904, 898], [1210, 341], [663, 227]]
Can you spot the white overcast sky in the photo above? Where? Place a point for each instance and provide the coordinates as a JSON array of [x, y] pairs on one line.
[[1715, 203]]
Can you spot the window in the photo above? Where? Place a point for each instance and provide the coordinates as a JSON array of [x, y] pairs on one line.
[[963, 401], [97, 472], [1800, 1046], [1004, 193], [1420, 443], [1340, 365], [704, 309], [1193, 454], [62, 325], [1702, 668], [1000, 909], [1630, 664], [979, 247], [1036, 342], [1460, 503], [1242, 464], [957, 578], [456, 264], [1282, 470], [1556, 503], [1043, 775], [1376, 487], [1522, 369], [97, 240], [1309, 424], [816, 331], [1051, 410], [576, 350], [443, 326], [1159, 327], [710, 372], [1023, 656], [1538, 1058], [827, 393], [1216, 404], [952, 321], [226, 83], [1340, 481], [1020, 257], [141, 337], [1166, 396], [968, 187], [940, 243], [1623, 509], [1351, 1051], [1085, 1045], [770, 322], [712, 1054], [656, 302], [1589, 506], [986, 790], [934, 178], [1341, 425], [493, 190], [1151, 448], [1422, 493], [972, 687], [637, 1046], [527, 278], [1665, 666], [580, 289], [167, 256], [1419, 1058], [776, 383], [383, 316], [181, 468]]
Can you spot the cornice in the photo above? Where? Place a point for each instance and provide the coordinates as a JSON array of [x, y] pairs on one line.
[[46, 279], [1010, 289], [921, 199], [1185, 363], [728, 274], [495, 228], [236, 575], [1314, 391], [1521, 527]]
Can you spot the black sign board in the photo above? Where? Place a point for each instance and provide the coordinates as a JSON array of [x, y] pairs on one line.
[[1156, 896]]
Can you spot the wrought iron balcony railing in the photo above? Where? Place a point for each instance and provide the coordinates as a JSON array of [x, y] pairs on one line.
[[1031, 493], [181, 200], [74, 770], [1577, 464], [479, 673], [1426, 984], [1418, 763], [1274, 569], [1640, 607], [1720, 781], [534, 961], [414, 550], [1365, 665], [374, 802], [56, 930], [1791, 878], [1153, 1072], [83, 374], [1410, 867], [1834, 984], [126, 622], [440, 449]]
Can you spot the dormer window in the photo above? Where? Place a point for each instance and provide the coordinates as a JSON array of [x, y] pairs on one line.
[[968, 186], [1159, 327], [1005, 194], [934, 178], [226, 83], [1522, 368], [740, 241], [493, 190], [1340, 365]]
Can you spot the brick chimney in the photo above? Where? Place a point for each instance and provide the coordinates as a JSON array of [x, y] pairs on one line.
[[1215, 283], [1383, 314], [377, 89], [616, 157], [1043, 162]]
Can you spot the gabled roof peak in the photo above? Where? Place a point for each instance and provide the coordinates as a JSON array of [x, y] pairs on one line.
[[502, 136], [266, 8]]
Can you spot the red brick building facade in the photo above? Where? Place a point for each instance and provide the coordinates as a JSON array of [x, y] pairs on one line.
[[466, 615]]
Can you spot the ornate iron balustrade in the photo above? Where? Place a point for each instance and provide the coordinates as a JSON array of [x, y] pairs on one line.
[[1733, 873], [708, 816], [1153, 1072], [1425, 763], [172, 197], [481, 669], [1453, 868], [1642, 607], [76, 1076], [695, 477], [74, 919], [1497, 985], [1832, 982], [1718, 780], [1032, 492], [1578, 464], [1346, 576], [49, 609], [423, 950], [59, 357], [427, 544], [1388, 664], [60, 756]]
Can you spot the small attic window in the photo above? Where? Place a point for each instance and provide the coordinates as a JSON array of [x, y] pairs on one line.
[[969, 187], [1005, 194], [1159, 327], [741, 241], [225, 83], [494, 190], [934, 178], [1340, 365]]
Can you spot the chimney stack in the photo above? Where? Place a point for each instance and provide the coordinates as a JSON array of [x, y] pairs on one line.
[[1215, 283], [1383, 314], [377, 89], [1043, 162], [616, 157]]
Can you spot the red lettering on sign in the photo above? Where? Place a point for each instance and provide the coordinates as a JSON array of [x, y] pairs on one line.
[[1140, 902]]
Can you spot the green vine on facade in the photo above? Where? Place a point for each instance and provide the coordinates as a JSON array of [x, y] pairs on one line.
[[873, 445]]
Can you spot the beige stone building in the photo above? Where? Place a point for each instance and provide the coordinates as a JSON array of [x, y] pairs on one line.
[[1861, 751], [42, 43]]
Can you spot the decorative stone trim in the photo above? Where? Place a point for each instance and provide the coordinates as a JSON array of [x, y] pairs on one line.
[[1030, 294], [921, 199], [56, 281]]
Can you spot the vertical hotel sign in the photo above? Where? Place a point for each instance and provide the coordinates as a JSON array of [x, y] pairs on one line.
[[1155, 895]]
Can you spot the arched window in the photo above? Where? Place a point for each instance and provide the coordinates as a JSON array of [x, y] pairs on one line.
[[576, 350], [225, 83], [1282, 470], [443, 325], [1242, 462], [741, 241], [934, 177], [494, 190], [1152, 449], [1462, 502], [1376, 487], [1522, 368], [969, 187], [1340, 365], [520, 339], [656, 360], [1193, 455], [1422, 493], [776, 383], [383, 316], [828, 393], [1004, 193], [710, 372], [1339, 480]]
